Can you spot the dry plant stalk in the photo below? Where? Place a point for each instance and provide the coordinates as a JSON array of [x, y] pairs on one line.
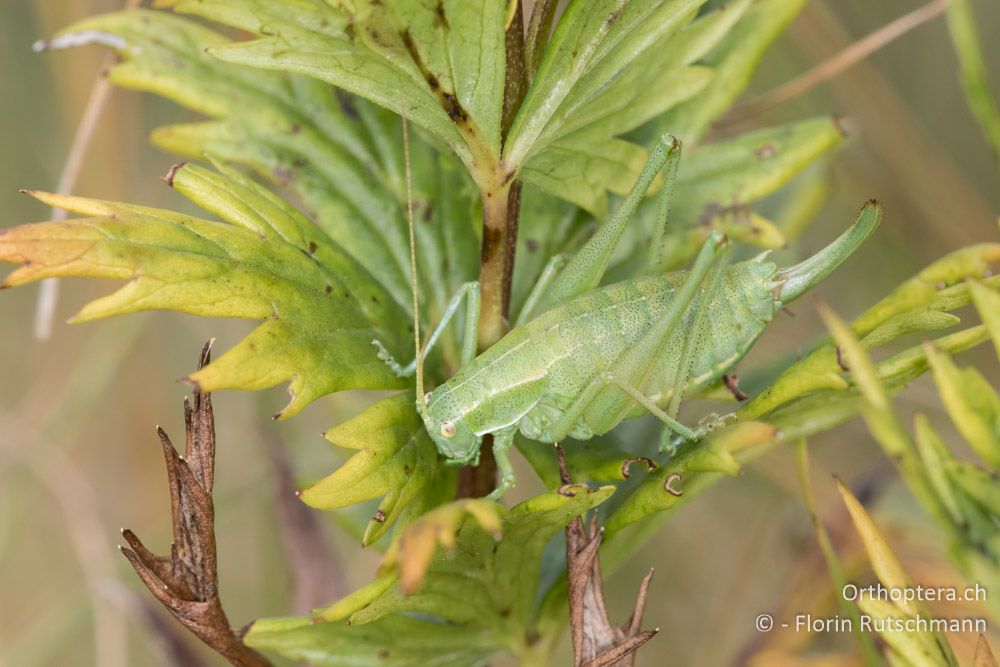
[[597, 642], [186, 582]]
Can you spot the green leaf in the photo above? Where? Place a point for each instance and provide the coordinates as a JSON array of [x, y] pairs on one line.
[[988, 305], [884, 562], [938, 287], [610, 67], [440, 64], [912, 647], [482, 586], [972, 403], [734, 62], [393, 641], [582, 172], [736, 172], [412, 553], [490, 585], [975, 79], [595, 39], [662, 488], [321, 309], [936, 457], [341, 155], [396, 459], [982, 486]]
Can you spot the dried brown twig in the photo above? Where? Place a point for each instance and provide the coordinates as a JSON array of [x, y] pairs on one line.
[[597, 642], [186, 582]]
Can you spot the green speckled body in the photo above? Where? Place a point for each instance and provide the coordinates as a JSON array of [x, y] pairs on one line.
[[532, 376]]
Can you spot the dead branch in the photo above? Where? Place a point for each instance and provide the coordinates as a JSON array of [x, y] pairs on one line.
[[186, 582], [597, 642]]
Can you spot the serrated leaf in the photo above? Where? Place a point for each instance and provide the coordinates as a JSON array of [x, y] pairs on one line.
[[320, 308], [439, 64], [734, 62], [595, 39], [490, 584], [485, 590], [340, 154], [396, 459]]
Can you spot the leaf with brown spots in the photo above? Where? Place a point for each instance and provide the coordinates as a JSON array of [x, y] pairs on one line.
[[439, 64], [257, 265], [341, 155]]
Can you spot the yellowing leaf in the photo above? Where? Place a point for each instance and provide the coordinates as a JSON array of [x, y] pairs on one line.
[[341, 155], [486, 575], [887, 567], [411, 554], [972, 403], [984, 656], [988, 304], [914, 647], [321, 309], [396, 459]]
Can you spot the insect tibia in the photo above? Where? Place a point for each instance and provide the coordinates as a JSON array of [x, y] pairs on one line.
[[390, 361], [793, 282]]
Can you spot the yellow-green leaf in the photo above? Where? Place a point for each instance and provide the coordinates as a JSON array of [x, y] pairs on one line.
[[320, 308], [972, 403], [396, 459], [887, 567]]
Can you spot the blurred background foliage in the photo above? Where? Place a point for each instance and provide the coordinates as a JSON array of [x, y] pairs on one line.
[[79, 456]]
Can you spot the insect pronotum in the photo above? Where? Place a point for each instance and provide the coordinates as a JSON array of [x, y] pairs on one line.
[[594, 356]]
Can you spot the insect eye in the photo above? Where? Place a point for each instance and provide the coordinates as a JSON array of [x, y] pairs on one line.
[[447, 429], [427, 397]]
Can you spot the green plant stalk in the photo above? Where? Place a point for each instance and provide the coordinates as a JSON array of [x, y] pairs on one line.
[[501, 199], [981, 100]]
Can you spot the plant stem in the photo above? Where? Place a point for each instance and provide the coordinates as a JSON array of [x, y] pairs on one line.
[[494, 268], [501, 197]]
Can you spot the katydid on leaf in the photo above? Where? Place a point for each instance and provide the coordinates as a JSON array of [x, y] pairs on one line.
[[595, 356]]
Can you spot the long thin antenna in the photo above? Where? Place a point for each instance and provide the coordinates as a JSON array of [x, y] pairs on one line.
[[413, 264]]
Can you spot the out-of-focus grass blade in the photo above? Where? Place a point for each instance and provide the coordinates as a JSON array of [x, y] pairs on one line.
[[868, 650], [981, 99]]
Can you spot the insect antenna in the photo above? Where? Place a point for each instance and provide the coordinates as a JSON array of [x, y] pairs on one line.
[[419, 358]]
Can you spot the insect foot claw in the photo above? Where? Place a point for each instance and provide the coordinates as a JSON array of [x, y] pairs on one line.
[[713, 421], [627, 465], [570, 490], [389, 360], [669, 482], [506, 484]]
